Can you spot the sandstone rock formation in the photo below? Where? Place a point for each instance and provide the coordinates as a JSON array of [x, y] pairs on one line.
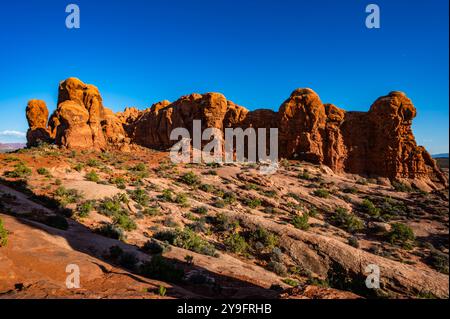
[[379, 142], [37, 116]]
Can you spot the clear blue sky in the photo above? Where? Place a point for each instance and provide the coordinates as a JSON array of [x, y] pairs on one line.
[[253, 51]]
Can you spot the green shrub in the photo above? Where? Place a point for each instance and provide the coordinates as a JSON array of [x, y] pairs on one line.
[[181, 199], [110, 207], [20, 171], [400, 187], [125, 222], [67, 196], [219, 203], [301, 222], [140, 196], [190, 179], [43, 171], [152, 211], [291, 282], [236, 244], [322, 193], [79, 167], [222, 222], [305, 175], [207, 188], [166, 195], [277, 268], [85, 208], [111, 231], [92, 177], [353, 241], [350, 190], [251, 186], [187, 239], [370, 208], [161, 269], [92, 162], [162, 291], [154, 247], [268, 239], [252, 202], [202, 210], [349, 222], [3, 235], [401, 234], [229, 198], [437, 259]]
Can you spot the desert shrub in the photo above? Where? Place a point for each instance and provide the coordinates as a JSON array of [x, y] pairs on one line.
[[277, 268], [263, 236], [139, 171], [85, 208], [301, 222], [128, 260], [3, 235], [124, 221], [151, 211], [229, 197], [236, 243], [207, 188], [370, 208], [222, 222], [305, 175], [153, 246], [251, 186], [190, 179], [20, 171], [111, 231], [110, 207], [58, 182], [400, 187], [120, 182], [401, 234], [211, 172], [92, 177], [252, 202], [187, 239], [140, 196], [436, 259], [201, 210], [198, 226], [67, 196], [313, 212], [342, 218], [291, 282], [79, 167], [161, 269], [181, 199], [167, 195], [322, 193], [270, 193], [57, 221], [43, 171], [362, 181], [391, 207], [92, 162], [350, 190], [162, 291], [353, 241]]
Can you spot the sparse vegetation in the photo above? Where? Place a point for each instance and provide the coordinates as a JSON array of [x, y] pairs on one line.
[[3, 235], [92, 176], [161, 269], [236, 244], [187, 239], [20, 171], [190, 179], [301, 221], [401, 234], [111, 231], [342, 218], [322, 193]]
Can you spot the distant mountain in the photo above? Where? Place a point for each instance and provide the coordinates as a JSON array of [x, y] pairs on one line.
[[442, 155], [8, 147]]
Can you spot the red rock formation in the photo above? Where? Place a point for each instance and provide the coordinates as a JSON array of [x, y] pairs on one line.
[[37, 116], [379, 142]]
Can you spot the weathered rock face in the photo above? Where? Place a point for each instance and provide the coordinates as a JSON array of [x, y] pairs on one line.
[[82, 122], [37, 117], [379, 142]]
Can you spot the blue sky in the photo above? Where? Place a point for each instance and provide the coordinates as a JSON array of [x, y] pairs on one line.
[[255, 52]]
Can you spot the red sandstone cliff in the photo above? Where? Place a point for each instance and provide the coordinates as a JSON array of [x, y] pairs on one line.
[[379, 142]]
